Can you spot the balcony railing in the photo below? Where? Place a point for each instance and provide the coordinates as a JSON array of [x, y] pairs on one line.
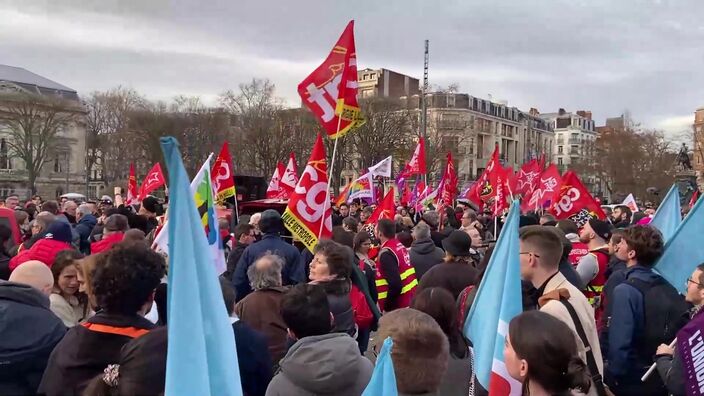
[[575, 141]]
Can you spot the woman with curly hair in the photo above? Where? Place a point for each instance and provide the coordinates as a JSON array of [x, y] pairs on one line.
[[122, 287], [67, 302]]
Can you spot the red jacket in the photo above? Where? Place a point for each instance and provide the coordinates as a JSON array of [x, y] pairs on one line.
[[106, 243], [44, 250]]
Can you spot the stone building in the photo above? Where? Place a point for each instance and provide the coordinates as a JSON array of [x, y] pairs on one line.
[[64, 170]]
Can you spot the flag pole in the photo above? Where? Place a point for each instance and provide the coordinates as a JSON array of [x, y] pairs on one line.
[[332, 166]]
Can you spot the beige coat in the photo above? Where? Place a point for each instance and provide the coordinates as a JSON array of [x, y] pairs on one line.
[[585, 312]]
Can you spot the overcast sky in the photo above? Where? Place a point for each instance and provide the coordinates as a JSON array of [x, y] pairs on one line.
[[607, 56]]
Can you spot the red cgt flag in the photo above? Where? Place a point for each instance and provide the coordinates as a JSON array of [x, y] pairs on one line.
[[221, 175], [574, 202], [416, 165], [307, 215], [132, 187], [547, 186], [153, 180], [482, 190], [274, 190], [289, 178], [330, 92], [526, 179], [500, 179], [385, 210], [448, 189]]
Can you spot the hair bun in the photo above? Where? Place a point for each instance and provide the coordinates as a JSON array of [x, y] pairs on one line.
[[578, 375]]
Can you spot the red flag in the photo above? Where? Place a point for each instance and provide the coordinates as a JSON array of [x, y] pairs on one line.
[[289, 179], [406, 196], [342, 198], [547, 186], [308, 210], [330, 92], [448, 183], [482, 190], [131, 187], [274, 190], [526, 179], [501, 200], [153, 180], [221, 175], [385, 210], [541, 161], [574, 202], [416, 165], [694, 198]]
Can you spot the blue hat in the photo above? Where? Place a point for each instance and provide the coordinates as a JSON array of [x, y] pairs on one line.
[[59, 231]]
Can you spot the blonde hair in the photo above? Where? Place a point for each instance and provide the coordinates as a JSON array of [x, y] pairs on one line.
[[420, 351], [86, 269]]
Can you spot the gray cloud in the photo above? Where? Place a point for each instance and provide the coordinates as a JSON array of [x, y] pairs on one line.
[[601, 55]]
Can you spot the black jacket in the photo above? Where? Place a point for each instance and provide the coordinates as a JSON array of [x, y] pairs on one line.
[[29, 331], [84, 353], [253, 358], [338, 292], [452, 276], [233, 258], [424, 255], [4, 266]]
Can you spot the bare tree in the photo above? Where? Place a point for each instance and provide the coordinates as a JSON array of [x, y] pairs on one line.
[[34, 123]]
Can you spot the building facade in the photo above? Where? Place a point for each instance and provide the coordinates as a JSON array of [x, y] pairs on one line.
[[64, 170], [698, 147], [384, 83]]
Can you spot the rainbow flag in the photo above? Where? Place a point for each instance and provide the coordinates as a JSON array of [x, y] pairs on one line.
[[362, 188]]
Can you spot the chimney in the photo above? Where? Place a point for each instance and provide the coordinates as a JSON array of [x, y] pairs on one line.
[[585, 114], [533, 111], [561, 111]]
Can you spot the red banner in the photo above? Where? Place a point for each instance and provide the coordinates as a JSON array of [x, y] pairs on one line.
[[574, 201], [308, 211], [526, 179], [153, 180], [132, 187], [448, 183], [385, 210], [547, 186], [500, 180], [289, 179], [221, 175], [274, 190], [482, 190], [330, 92]]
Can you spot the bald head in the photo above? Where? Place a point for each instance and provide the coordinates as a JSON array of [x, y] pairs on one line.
[[35, 274], [266, 272]]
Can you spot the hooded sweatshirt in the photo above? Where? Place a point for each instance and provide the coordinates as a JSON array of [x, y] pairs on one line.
[[424, 255], [322, 365], [29, 331]]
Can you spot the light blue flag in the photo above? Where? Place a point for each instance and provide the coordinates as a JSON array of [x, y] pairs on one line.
[[684, 250], [668, 217], [202, 357], [498, 300], [383, 381]]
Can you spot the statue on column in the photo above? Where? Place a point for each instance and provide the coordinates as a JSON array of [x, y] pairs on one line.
[[683, 158]]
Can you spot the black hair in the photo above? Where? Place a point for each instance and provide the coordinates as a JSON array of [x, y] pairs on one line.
[[350, 222], [387, 228], [440, 305], [62, 260], [306, 311], [51, 207], [360, 238], [405, 238], [241, 229], [128, 277], [550, 348], [625, 209]]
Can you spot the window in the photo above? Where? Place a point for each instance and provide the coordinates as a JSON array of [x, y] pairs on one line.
[[57, 164], [559, 149], [559, 160], [5, 162], [450, 100]]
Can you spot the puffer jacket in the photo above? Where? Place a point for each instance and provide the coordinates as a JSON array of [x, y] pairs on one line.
[[45, 250], [338, 293], [322, 365], [29, 331], [106, 243]]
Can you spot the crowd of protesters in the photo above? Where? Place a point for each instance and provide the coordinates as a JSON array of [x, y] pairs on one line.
[[83, 297]]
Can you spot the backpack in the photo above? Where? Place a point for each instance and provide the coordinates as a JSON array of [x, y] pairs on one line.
[[666, 312], [363, 315]]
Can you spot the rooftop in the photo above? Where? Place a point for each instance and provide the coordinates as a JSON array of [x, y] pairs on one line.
[[35, 83]]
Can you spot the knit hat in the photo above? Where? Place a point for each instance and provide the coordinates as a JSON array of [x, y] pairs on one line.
[[270, 222], [457, 243], [151, 204], [59, 231], [601, 228]]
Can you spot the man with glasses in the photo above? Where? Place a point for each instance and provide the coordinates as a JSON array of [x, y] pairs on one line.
[[244, 236], [540, 253]]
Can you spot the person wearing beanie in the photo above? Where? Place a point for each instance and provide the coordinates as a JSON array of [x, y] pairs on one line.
[[592, 267], [458, 270], [57, 238], [270, 225]]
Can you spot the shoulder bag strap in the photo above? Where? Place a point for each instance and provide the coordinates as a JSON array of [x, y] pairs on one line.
[[591, 362]]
